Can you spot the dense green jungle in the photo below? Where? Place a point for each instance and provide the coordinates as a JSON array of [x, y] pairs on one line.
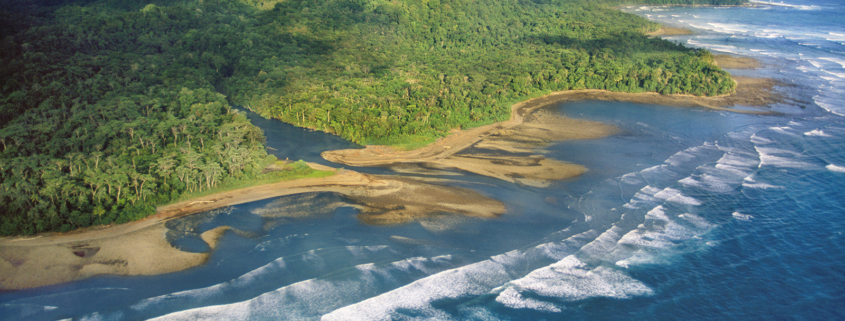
[[109, 108]]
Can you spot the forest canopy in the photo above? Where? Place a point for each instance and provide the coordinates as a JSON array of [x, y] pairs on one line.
[[109, 108]]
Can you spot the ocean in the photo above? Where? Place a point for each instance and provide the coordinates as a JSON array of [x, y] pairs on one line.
[[686, 213]]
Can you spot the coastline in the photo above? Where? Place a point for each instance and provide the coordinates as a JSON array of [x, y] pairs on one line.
[[140, 248], [134, 248], [751, 92]]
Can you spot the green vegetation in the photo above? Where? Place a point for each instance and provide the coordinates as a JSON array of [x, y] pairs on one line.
[[688, 2], [100, 126], [411, 70], [109, 108]]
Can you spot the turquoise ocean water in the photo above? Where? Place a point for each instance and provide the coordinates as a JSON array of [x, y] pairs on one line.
[[685, 214]]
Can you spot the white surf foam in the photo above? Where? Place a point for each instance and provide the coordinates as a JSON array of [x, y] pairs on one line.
[[690, 181], [657, 213], [362, 251], [742, 217], [757, 140], [786, 5], [716, 184], [197, 295], [834, 36], [631, 179], [644, 196], [513, 299], [571, 279], [737, 160], [697, 221], [839, 61], [559, 250], [840, 75], [417, 263], [679, 158], [829, 104], [697, 43], [736, 171], [638, 257], [784, 130], [312, 298], [767, 34], [440, 259], [731, 28], [760, 186], [662, 231], [658, 236], [299, 301], [657, 171], [314, 259], [835, 168], [473, 279], [780, 158], [816, 63], [783, 162], [816, 133], [24, 310], [775, 151], [672, 195], [603, 244]]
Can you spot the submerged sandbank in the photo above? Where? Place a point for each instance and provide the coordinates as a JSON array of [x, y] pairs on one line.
[[389, 200], [736, 62]]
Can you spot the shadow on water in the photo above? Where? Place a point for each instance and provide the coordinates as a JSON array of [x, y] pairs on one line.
[[295, 143]]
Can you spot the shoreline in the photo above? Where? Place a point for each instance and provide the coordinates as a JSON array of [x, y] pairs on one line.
[[140, 247], [133, 248], [751, 92]]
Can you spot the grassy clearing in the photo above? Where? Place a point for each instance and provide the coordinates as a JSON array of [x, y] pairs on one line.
[[283, 172]]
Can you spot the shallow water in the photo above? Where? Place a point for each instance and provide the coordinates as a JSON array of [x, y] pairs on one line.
[[294, 143], [684, 214]]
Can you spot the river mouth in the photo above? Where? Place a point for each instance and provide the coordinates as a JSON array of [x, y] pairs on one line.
[[513, 152], [683, 213]]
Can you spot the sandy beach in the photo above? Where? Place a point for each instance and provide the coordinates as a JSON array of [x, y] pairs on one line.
[[509, 150], [141, 248]]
